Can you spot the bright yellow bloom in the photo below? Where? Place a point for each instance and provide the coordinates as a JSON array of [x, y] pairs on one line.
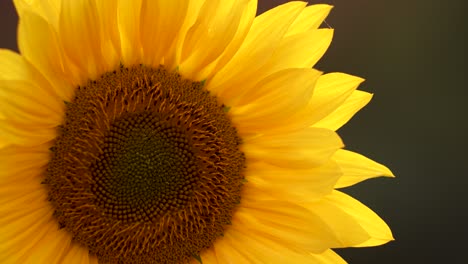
[[154, 131]]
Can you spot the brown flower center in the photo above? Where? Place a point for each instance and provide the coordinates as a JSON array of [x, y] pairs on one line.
[[146, 167]]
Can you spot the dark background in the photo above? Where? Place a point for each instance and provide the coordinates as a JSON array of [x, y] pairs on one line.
[[413, 55]]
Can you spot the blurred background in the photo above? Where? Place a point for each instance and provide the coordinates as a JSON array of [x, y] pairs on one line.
[[413, 57]]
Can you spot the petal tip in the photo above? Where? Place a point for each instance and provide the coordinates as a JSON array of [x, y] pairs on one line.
[[388, 173], [385, 171]]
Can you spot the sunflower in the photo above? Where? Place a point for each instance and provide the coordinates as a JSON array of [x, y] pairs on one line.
[[154, 131]]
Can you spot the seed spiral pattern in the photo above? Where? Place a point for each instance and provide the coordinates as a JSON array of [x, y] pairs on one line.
[[160, 162], [146, 167]]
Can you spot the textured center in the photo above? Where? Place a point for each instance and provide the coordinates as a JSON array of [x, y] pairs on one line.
[[146, 167], [145, 170]]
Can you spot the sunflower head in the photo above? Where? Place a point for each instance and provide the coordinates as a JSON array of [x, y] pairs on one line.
[[155, 156], [156, 131]]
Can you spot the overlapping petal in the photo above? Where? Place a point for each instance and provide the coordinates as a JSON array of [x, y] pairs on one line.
[[331, 91], [47, 9], [262, 40], [19, 78], [343, 113], [33, 32], [293, 184], [30, 108], [327, 257], [160, 23], [128, 14], [253, 248], [300, 46], [208, 37], [78, 25], [231, 50], [378, 231], [293, 226], [301, 50], [310, 18], [357, 168], [26, 221], [272, 101], [306, 148]]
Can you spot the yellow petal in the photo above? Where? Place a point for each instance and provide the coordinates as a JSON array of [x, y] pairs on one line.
[[22, 222], [226, 253], [300, 83], [74, 255], [375, 227], [328, 257], [173, 56], [51, 11], [3, 142], [36, 33], [26, 133], [20, 188], [28, 231], [19, 78], [297, 51], [161, 22], [47, 9], [92, 259], [18, 181], [81, 24], [285, 223], [26, 118], [346, 111], [52, 248], [209, 36], [14, 195], [20, 240], [300, 51], [292, 51], [310, 18], [23, 100], [109, 33], [243, 29], [31, 158], [346, 229], [19, 202], [262, 249], [77, 254], [128, 12], [14, 67], [306, 148], [273, 100], [293, 184], [331, 91], [357, 168], [262, 40], [208, 256]]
